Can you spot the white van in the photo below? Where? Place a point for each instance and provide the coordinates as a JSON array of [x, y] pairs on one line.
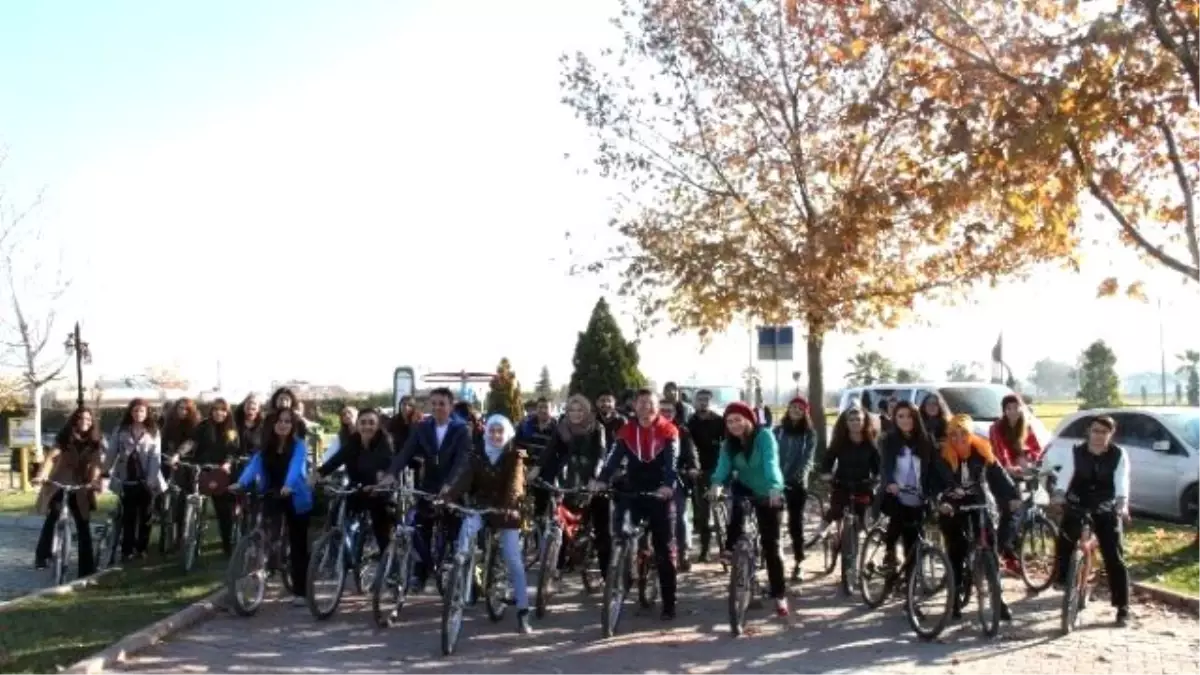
[[980, 400]]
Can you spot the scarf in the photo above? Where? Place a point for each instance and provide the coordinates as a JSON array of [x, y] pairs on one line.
[[955, 454], [567, 430], [491, 450]]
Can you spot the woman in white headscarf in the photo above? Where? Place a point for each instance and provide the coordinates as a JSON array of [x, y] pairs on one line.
[[494, 476]]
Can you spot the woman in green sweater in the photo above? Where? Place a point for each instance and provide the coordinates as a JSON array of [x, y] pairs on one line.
[[750, 451]]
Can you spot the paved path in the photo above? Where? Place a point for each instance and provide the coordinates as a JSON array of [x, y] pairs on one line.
[[830, 633], [17, 576]]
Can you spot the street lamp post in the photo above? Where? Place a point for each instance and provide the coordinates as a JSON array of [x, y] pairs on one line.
[[83, 354]]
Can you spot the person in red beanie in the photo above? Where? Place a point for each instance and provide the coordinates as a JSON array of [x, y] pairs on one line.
[[797, 448]]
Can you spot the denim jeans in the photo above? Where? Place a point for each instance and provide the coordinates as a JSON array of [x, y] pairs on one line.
[[683, 529], [510, 550]]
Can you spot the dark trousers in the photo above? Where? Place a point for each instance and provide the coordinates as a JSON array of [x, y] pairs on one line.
[[222, 506], [280, 511], [135, 518], [1006, 532], [797, 497], [702, 513], [840, 498], [1107, 528], [903, 522], [958, 545], [425, 518], [659, 516], [600, 515], [83, 532], [379, 508], [768, 533]]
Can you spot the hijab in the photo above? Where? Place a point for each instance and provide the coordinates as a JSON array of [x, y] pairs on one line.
[[493, 452], [567, 430], [955, 453]]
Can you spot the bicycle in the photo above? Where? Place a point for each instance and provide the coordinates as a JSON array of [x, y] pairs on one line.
[[342, 549], [558, 520], [194, 521], [260, 554], [982, 566], [1077, 586], [107, 535], [1037, 533], [839, 540], [744, 587], [398, 563], [460, 591], [60, 551], [628, 554]]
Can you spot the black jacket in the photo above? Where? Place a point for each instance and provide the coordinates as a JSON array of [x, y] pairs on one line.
[[573, 461], [856, 463], [933, 468], [707, 430], [612, 424], [688, 459], [973, 472], [363, 463], [212, 446]]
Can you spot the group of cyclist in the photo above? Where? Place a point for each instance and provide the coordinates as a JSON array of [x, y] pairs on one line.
[[645, 462]]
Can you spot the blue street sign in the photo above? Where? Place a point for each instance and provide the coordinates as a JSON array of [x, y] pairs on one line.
[[775, 343]]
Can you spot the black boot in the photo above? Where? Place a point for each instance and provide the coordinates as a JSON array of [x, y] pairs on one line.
[[524, 627]]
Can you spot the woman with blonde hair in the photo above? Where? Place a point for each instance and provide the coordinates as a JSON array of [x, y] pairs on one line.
[[970, 471]]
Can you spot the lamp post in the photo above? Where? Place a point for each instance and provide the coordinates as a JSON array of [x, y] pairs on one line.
[[83, 354]]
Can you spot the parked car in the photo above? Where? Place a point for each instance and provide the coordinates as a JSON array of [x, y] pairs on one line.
[[980, 400], [1162, 445]]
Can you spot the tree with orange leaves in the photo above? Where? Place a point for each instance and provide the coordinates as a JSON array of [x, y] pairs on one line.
[[1103, 96], [782, 175]]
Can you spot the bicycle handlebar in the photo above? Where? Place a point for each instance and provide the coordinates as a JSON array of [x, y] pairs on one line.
[[67, 488], [560, 490], [468, 511]]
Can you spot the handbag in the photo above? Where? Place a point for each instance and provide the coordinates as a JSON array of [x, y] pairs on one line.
[[213, 482]]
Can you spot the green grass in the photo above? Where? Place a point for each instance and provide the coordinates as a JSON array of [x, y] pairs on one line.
[[16, 503], [40, 635], [1164, 554]]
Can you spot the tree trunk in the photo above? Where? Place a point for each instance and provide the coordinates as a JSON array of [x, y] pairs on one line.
[[815, 343], [37, 425]]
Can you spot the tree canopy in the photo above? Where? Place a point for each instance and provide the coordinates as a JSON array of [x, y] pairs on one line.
[[870, 367], [544, 388], [504, 393], [1099, 385], [812, 174], [1099, 97]]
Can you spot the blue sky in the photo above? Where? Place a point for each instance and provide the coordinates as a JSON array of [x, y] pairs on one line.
[[295, 188]]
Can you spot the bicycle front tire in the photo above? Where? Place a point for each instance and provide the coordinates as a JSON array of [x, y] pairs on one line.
[[546, 571], [741, 589], [191, 537], [929, 558], [615, 589], [248, 559], [1073, 591], [452, 607], [876, 538], [1034, 533], [62, 557], [987, 571], [328, 544]]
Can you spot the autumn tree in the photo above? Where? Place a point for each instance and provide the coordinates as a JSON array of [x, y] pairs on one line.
[[504, 393], [1054, 378], [773, 175], [1101, 97], [869, 367]]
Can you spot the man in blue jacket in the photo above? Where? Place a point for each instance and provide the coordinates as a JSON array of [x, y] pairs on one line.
[[437, 442]]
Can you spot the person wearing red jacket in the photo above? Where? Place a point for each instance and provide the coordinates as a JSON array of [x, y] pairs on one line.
[[1016, 449]]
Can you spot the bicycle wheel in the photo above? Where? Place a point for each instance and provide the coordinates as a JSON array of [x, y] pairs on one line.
[[1036, 553], [365, 570], [720, 516], [458, 583], [647, 580], [1075, 586], [547, 569], [246, 578], [988, 592], [928, 621], [495, 581], [585, 551], [326, 574], [849, 555], [62, 552], [615, 590], [438, 567], [108, 543], [191, 536], [741, 588], [814, 514], [166, 524], [875, 577]]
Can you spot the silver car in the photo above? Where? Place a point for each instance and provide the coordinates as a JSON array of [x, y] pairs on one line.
[[1162, 445]]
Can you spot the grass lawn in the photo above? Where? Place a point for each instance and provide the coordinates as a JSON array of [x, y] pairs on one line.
[[1164, 554], [16, 503], [60, 630]]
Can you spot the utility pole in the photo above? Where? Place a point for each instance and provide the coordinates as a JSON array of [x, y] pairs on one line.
[[83, 354]]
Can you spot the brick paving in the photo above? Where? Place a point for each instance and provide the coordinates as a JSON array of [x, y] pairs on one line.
[[828, 633]]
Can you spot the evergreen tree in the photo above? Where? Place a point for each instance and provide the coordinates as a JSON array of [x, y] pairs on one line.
[[504, 393], [604, 360], [1099, 386], [544, 389]]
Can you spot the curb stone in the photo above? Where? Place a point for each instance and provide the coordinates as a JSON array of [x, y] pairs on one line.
[[1168, 597], [69, 587], [151, 635]]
